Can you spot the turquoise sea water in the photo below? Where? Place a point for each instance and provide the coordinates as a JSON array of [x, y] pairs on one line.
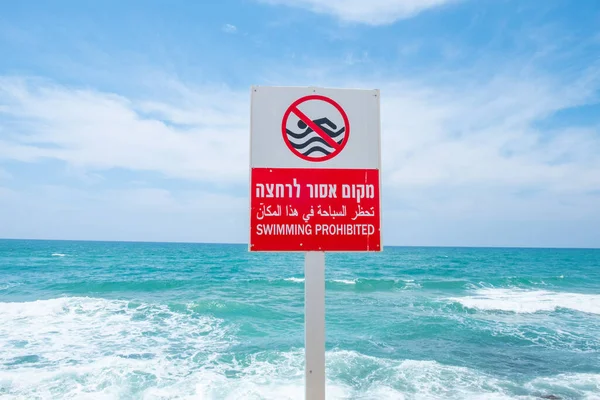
[[94, 320]]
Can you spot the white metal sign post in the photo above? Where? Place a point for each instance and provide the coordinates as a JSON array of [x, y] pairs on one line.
[[314, 324], [315, 187]]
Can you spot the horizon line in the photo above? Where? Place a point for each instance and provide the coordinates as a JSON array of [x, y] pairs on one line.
[[245, 244]]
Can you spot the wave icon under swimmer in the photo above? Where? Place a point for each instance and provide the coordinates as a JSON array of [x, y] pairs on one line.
[[309, 143]]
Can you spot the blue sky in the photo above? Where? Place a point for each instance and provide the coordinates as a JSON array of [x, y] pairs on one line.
[[129, 120]]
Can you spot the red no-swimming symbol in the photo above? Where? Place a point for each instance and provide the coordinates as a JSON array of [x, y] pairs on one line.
[[322, 135]]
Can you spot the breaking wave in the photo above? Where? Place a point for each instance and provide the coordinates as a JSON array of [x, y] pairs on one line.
[[529, 301]]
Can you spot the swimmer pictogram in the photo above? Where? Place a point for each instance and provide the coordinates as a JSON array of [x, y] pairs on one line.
[[316, 138]]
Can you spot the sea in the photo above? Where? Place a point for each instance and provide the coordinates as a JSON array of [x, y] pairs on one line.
[[110, 320]]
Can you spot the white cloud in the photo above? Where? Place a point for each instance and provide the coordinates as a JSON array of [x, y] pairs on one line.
[[148, 214], [373, 12], [228, 28], [203, 137], [471, 165], [487, 135]]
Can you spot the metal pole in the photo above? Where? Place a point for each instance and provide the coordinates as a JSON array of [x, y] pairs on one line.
[[314, 324]]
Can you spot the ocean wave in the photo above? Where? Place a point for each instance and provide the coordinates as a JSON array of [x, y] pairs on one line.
[[511, 282], [345, 281], [445, 284], [360, 284], [97, 348], [9, 285], [75, 330], [295, 280], [568, 386], [525, 282], [371, 284], [58, 255], [141, 285], [555, 335], [352, 375], [529, 301]]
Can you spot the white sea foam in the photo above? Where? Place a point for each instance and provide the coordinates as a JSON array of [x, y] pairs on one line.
[[58, 255], [569, 386], [346, 281], [529, 301], [410, 284], [85, 348], [295, 280], [279, 375], [96, 348], [552, 333]]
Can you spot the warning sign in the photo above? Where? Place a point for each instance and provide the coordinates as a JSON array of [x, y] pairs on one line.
[[313, 186], [315, 138], [298, 210]]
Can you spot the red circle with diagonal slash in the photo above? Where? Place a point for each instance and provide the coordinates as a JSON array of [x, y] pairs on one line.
[[293, 108]]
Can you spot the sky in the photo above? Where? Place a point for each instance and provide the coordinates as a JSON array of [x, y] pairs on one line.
[[130, 120]]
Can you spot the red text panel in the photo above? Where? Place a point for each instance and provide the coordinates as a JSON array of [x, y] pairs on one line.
[[296, 209]]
